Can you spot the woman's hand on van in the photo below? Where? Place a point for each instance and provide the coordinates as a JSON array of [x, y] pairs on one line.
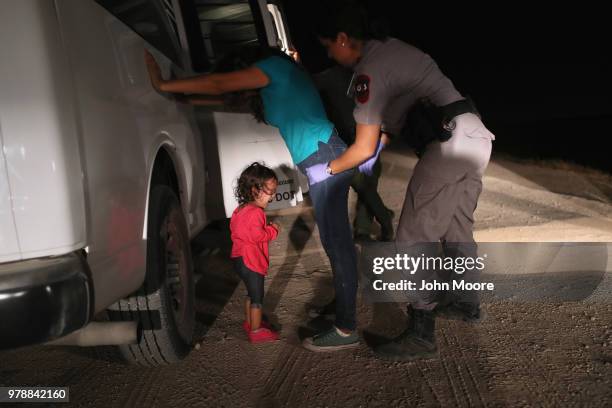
[[154, 71]]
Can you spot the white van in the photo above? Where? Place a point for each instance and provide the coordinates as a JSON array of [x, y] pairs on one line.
[[104, 181]]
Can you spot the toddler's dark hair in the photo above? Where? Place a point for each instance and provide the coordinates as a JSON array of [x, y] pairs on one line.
[[255, 175]]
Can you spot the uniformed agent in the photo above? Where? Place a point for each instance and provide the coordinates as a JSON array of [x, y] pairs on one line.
[[392, 77]]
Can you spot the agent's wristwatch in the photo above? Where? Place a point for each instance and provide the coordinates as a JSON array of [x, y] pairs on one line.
[[328, 170]]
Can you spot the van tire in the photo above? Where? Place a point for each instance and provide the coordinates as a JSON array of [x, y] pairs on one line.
[[165, 304]]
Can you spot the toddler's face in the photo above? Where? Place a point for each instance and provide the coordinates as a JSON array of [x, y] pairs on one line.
[[264, 196]]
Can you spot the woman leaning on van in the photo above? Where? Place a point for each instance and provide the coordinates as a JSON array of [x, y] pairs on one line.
[[281, 94]]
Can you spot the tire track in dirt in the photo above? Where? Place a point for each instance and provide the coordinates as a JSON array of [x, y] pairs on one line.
[[462, 363], [419, 367], [136, 389], [280, 385], [153, 389], [448, 376], [83, 381]]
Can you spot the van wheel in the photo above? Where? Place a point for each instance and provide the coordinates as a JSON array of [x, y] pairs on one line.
[[164, 305]]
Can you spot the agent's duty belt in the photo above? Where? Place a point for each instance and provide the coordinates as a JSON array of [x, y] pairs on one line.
[[451, 111], [426, 122]]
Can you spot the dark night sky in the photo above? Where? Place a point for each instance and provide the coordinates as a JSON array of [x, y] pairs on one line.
[[541, 79]]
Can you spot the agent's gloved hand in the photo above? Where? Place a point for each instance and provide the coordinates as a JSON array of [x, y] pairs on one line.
[[317, 173], [367, 167]]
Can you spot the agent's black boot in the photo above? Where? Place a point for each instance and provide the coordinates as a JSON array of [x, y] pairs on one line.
[[417, 341], [468, 312]]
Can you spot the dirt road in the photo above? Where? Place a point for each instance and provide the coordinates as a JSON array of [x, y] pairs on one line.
[[527, 353]]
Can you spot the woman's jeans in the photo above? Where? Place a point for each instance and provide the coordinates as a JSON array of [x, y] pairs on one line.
[[330, 201]]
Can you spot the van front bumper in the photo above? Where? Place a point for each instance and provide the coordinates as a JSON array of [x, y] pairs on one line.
[[43, 299]]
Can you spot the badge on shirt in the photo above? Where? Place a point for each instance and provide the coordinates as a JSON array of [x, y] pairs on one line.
[[362, 88]]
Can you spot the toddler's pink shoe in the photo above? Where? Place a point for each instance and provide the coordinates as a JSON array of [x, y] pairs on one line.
[[247, 327], [262, 335]]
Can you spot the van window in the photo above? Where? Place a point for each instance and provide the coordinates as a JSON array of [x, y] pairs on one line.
[[225, 27], [153, 20]]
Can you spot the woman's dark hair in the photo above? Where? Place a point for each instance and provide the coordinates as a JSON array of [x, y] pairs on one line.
[[241, 59], [255, 175], [349, 17]]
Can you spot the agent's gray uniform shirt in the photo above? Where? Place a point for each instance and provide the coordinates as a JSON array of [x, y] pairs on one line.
[[391, 77]]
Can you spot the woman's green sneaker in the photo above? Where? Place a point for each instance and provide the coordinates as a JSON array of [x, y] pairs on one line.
[[331, 340]]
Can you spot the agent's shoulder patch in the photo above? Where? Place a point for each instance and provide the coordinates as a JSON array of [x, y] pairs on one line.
[[362, 88]]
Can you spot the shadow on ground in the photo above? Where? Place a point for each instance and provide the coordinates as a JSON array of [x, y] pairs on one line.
[[215, 277]]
